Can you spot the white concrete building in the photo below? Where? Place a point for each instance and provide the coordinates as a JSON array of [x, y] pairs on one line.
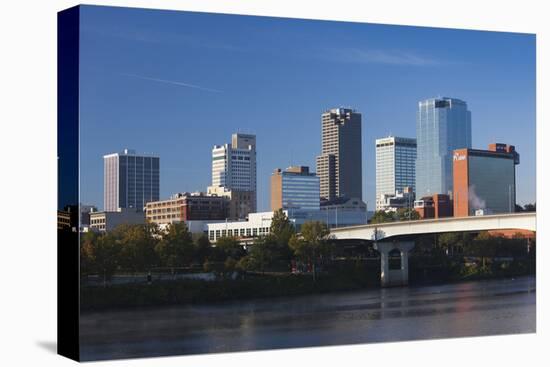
[[258, 224], [194, 226], [395, 166], [108, 220], [234, 166], [395, 201]]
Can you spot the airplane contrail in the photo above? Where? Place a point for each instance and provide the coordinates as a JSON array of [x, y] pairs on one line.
[[173, 82]]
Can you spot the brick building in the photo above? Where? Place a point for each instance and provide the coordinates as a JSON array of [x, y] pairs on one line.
[[186, 207], [485, 180], [435, 206]]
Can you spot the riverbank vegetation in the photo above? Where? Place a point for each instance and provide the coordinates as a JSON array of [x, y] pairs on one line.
[[157, 265]]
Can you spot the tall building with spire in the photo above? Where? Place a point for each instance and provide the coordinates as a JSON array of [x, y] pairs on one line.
[[339, 166]]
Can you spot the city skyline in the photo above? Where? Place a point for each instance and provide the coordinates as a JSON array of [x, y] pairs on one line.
[[163, 110]]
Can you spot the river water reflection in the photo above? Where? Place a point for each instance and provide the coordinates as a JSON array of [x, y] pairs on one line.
[[477, 308]]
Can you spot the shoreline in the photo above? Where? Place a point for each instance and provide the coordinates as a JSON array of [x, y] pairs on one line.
[[255, 287]]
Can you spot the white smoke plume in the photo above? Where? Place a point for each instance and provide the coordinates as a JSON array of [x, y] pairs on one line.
[[475, 201]]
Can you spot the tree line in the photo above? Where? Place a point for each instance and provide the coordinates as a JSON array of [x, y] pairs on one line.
[[381, 216], [142, 248], [483, 245]]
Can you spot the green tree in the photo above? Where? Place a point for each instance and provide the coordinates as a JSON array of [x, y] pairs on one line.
[[407, 214], [207, 266], [530, 207], [229, 247], [176, 246], [483, 246], [202, 248], [381, 216], [230, 265], [104, 255], [87, 243], [263, 253], [137, 246], [281, 227], [244, 264], [450, 241], [313, 245]]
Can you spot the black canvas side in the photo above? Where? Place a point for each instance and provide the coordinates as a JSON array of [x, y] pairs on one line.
[[68, 190]]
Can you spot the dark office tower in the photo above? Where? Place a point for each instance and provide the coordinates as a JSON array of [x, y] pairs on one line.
[[339, 164], [130, 180]]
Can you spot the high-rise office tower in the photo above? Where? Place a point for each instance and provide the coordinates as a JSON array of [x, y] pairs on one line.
[[395, 165], [485, 180], [294, 188], [442, 125], [234, 168], [339, 166], [130, 180]]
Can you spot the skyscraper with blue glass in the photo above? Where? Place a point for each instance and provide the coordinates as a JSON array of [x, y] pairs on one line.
[[442, 125]]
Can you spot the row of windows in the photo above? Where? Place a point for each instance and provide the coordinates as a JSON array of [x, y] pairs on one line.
[[197, 200], [237, 232], [168, 216], [240, 158]]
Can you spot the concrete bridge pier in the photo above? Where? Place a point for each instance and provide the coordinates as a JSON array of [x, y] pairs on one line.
[[394, 258]]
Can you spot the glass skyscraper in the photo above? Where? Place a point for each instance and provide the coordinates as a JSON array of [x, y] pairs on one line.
[[294, 188], [442, 125], [130, 180]]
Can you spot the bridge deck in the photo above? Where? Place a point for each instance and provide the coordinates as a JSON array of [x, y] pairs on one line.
[[526, 221]]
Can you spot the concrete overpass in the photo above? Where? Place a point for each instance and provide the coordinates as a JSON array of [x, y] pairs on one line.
[[385, 237], [525, 221]]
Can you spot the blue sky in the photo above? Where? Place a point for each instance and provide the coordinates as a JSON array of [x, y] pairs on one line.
[[177, 83]]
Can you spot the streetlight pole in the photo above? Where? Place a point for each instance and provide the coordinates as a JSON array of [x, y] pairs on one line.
[[409, 204], [510, 198]]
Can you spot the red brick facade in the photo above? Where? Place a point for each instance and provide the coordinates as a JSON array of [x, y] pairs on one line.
[[460, 183]]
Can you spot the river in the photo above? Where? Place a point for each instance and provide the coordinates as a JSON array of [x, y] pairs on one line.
[[478, 308]]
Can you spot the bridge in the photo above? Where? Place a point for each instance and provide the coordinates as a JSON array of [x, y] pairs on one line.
[[386, 237]]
